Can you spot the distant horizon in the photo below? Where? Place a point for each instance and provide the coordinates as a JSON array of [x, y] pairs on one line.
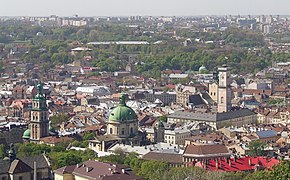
[[113, 8], [211, 15]]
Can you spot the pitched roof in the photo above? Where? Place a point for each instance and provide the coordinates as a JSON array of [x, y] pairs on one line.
[[164, 157], [266, 134], [41, 161], [242, 164], [99, 170], [55, 140], [18, 166], [234, 114], [206, 150], [213, 117], [4, 166], [66, 169], [196, 100]]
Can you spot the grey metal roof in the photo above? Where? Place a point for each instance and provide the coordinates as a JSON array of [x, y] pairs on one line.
[[266, 133], [211, 117], [197, 116], [234, 114]]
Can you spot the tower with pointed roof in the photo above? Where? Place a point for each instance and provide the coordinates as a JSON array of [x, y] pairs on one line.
[[39, 124]]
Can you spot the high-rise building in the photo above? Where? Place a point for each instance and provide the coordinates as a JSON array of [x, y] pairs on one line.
[[224, 90]]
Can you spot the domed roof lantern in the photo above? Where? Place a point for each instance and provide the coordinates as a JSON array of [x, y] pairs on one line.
[[122, 99]]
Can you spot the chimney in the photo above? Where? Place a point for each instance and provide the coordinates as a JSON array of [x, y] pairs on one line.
[[216, 164], [250, 161], [123, 171], [34, 171], [230, 162]]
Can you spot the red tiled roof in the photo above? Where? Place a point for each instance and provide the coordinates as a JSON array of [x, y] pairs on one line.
[[241, 164]]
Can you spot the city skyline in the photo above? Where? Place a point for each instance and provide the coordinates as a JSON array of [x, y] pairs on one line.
[[143, 8]]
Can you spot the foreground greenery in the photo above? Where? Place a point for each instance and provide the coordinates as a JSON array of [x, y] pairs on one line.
[[150, 170], [153, 170], [58, 155]]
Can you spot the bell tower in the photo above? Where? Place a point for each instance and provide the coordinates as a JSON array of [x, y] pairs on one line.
[[39, 124], [224, 89]]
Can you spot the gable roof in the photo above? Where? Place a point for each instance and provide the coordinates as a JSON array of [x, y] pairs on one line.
[[98, 170], [18, 166], [24, 164], [41, 161], [206, 150]]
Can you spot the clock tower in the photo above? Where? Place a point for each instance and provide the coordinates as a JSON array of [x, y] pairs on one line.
[[39, 124], [224, 89]]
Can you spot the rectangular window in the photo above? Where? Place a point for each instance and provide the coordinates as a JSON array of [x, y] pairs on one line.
[[3, 178], [20, 178]]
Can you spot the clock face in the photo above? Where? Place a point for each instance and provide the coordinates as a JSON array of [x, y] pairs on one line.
[[222, 76]]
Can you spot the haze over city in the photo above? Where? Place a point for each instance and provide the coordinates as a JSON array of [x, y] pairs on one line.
[[144, 90], [149, 7]]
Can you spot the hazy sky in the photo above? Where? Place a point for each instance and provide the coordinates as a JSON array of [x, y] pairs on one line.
[[142, 7]]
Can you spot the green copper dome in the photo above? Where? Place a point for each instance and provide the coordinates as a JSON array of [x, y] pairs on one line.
[[202, 69], [122, 112], [26, 134]]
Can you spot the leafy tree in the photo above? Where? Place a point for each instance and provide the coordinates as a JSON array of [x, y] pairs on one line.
[[2, 151], [58, 119], [256, 148], [89, 136], [163, 118], [153, 169]]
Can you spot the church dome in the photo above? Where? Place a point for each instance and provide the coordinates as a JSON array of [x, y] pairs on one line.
[[26, 134], [202, 68], [122, 112]]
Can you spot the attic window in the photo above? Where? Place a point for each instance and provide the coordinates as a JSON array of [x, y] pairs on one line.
[[112, 114]]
